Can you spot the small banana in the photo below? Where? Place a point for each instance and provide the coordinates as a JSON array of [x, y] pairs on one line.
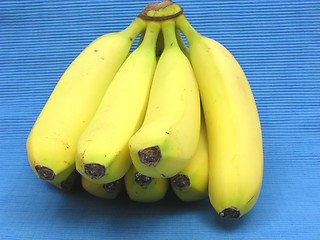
[[51, 144], [233, 125], [102, 153], [191, 184], [106, 191], [141, 188], [169, 134]]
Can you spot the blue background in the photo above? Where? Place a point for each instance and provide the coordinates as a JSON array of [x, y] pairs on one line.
[[278, 45]]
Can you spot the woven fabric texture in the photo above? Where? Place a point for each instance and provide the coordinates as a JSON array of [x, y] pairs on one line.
[[277, 43]]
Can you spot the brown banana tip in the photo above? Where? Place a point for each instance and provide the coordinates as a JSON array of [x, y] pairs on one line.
[[142, 180], [67, 184], [150, 156], [94, 170], [231, 213], [181, 182], [113, 186], [45, 173]]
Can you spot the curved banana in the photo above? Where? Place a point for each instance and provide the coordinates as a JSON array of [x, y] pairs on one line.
[[106, 191], [68, 183], [169, 135], [51, 144], [233, 126], [102, 152], [191, 184], [141, 188]]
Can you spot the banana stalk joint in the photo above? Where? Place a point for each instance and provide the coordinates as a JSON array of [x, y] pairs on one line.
[[161, 11]]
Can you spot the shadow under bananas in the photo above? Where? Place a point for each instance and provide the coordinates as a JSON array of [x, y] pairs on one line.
[[77, 205], [123, 209]]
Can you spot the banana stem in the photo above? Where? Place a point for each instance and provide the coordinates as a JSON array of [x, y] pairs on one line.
[[169, 34], [182, 46], [188, 31], [141, 37], [135, 28], [151, 34]]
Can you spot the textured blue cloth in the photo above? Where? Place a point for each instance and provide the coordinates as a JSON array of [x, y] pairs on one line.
[[278, 45]]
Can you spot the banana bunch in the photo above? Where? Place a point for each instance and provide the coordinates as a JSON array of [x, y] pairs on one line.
[[164, 115]]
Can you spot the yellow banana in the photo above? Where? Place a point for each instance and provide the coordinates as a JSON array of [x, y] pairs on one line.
[[233, 126], [102, 152], [106, 191], [141, 188], [68, 183], [160, 44], [169, 135], [51, 144], [191, 184]]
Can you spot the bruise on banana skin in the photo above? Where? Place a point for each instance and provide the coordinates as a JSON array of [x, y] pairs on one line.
[[96, 51]]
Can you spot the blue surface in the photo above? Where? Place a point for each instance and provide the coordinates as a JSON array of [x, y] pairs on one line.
[[278, 45]]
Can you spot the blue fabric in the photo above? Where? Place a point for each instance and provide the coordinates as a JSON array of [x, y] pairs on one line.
[[278, 45]]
